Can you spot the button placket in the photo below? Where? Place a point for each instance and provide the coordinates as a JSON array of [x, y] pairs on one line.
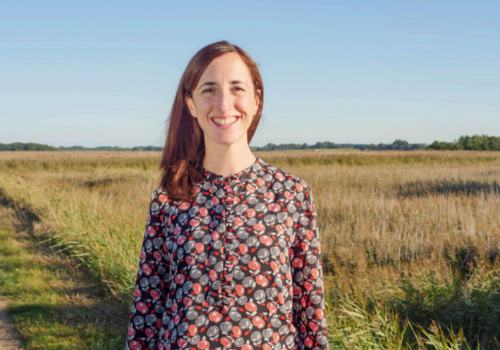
[[228, 254], [219, 251]]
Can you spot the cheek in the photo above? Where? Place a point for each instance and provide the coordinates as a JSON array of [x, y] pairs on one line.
[[245, 105], [204, 107]]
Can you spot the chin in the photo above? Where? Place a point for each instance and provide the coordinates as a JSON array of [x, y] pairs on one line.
[[229, 140], [225, 142]]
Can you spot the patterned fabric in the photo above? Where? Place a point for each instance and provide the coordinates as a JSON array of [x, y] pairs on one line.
[[237, 267]]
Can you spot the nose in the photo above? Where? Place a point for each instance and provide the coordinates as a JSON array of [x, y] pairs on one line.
[[225, 102]]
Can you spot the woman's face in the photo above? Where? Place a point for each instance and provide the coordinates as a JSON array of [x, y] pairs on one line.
[[224, 101]]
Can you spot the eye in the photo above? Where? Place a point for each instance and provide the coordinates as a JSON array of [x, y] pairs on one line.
[[208, 90], [238, 88]]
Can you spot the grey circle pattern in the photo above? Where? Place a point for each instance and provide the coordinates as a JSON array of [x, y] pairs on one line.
[[236, 267]]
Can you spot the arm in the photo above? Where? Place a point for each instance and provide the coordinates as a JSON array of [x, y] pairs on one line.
[[307, 273], [147, 303]]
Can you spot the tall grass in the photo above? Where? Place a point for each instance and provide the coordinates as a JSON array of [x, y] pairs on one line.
[[79, 161], [411, 240]]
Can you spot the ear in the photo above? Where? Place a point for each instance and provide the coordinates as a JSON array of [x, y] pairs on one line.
[[257, 102], [190, 103]]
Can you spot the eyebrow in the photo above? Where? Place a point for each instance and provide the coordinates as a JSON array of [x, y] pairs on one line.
[[211, 83]]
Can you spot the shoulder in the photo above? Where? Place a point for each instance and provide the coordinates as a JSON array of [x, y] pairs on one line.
[[159, 197], [291, 181]]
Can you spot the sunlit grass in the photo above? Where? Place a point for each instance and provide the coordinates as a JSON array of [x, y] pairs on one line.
[[45, 314], [408, 238]]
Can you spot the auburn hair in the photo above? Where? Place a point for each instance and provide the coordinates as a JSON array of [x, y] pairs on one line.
[[184, 151]]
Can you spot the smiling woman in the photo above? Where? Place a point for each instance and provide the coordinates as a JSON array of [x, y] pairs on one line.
[[221, 83], [231, 255], [224, 103]]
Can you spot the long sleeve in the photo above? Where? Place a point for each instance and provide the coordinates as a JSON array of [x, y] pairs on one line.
[[147, 305], [307, 273]]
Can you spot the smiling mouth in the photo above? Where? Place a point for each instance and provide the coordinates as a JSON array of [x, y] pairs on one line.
[[224, 121]]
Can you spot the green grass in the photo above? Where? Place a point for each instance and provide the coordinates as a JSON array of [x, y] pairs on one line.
[[45, 304]]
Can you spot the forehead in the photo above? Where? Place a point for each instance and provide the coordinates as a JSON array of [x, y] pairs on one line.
[[229, 66]]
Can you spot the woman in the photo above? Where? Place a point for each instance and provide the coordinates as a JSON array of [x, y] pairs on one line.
[[231, 256]]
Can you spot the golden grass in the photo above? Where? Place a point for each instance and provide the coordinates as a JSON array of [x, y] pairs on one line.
[[375, 209], [383, 216]]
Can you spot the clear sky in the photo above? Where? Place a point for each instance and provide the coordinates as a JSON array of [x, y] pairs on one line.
[[104, 73]]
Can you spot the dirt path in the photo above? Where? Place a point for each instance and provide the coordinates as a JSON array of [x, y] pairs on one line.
[[94, 318], [8, 336]]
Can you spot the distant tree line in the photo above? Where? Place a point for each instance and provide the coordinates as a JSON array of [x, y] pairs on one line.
[[18, 146], [472, 143], [398, 145]]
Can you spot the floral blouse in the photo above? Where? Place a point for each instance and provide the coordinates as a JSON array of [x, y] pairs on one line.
[[236, 267]]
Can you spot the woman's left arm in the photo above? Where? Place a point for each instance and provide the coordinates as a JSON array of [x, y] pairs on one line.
[[307, 274]]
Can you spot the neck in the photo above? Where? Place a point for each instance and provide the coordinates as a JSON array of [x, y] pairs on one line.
[[226, 160]]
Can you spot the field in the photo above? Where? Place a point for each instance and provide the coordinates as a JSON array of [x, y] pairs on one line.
[[410, 240]]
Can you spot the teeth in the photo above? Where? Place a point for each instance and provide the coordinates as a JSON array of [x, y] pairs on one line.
[[223, 121]]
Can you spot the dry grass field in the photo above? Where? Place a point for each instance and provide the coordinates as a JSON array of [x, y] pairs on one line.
[[410, 240]]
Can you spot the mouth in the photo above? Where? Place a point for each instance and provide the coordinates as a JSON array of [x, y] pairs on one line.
[[225, 122]]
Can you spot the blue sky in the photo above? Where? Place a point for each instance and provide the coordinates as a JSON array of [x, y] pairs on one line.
[[104, 73]]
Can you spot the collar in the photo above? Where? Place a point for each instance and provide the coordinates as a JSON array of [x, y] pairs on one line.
[[246, 174]]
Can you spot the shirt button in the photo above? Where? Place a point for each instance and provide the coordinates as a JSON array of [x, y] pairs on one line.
[[225, 309]]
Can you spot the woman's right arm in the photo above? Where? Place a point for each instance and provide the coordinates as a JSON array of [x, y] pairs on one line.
[[148, 300]]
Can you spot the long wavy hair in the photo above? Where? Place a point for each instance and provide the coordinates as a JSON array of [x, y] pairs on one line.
[[184, 150]]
